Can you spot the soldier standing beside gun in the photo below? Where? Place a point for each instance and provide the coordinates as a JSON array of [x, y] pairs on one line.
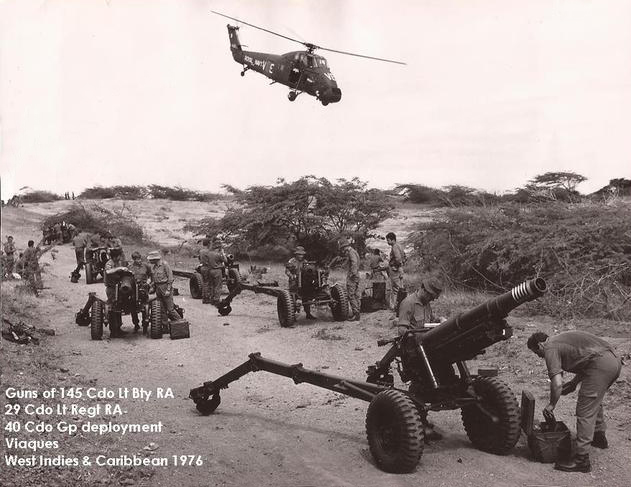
[[80, 242], [415, 310], [293, 269], [163, 282], [142, 275], [31, 265], [9, 258], [352, 278], [597, 367], [212, 261], [395, 270], [115, 260]]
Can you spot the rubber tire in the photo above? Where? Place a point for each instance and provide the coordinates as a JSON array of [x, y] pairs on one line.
[[89, 273], [155, 319], [224, 310], [395, 432], [286, 309], [96, 320], [196, 286], [233, 279], [340, 308], [208, 407], [498, 399]]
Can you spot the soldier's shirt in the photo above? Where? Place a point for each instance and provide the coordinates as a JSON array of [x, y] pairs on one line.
[[571, 351], [31, 256], [162, 273], [413, 313], [114, 263], [81, 240], [353, 263], [141, 271], [374, 261], [397, 256], [212, 258], [294, 265], [9, 248]]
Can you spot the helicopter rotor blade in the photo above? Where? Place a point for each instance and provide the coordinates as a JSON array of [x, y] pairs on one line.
[[361, 55], [260, 28]]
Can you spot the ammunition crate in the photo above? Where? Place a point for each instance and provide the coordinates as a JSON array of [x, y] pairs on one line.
[[179, 329]]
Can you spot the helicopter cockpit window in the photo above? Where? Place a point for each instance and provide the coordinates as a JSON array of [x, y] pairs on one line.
[[311, 62]]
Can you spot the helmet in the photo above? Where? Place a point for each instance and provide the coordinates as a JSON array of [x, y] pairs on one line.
[[300, 250], [432, 286], [136, 255], [154, 255]]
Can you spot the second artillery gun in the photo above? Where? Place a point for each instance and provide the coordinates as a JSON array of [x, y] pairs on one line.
[[312, 289], [433, 363]]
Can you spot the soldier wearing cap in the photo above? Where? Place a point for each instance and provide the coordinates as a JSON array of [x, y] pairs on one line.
[[293, 270], [352, 278], [9, 257], [142, 275], [415, 310], [163, 281], [213, 262]]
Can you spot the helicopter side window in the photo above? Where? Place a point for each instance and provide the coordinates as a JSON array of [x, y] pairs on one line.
[[311, 62]]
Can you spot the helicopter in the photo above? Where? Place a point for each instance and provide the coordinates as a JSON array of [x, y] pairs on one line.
[[301, 71]]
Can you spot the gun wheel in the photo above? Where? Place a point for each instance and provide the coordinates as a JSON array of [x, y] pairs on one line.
[[395, 432], [339, 308], [196, 285], [233, 279], [96, 320], [208, 406], [224, 310], [155, 319], [286, 309], [89, 273], [498, 399]]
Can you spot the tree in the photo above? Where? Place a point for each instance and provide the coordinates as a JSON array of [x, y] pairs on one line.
[[556, 185], [310, 211]]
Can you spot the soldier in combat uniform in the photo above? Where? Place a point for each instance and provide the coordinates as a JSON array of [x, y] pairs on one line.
[[9, 258], [395, 270], [142, 275], [352, 278], [213, 261], [293, 268], [163, 282]]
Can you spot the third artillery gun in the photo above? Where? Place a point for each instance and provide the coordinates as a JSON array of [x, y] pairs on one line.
[[433, 363]]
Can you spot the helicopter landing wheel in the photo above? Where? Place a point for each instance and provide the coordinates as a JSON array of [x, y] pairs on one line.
[[292, 95], [325, 103], [242, 73]]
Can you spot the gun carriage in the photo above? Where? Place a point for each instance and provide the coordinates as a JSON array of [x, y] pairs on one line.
[[95, 259], [433, 364]]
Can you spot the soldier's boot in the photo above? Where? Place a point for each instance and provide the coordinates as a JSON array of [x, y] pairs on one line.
[[134, 320], [310, 316], [580, 463], [355, 317], [75, 276], [600, 440]]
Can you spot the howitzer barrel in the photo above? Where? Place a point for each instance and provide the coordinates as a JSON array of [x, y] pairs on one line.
[[463, 327]]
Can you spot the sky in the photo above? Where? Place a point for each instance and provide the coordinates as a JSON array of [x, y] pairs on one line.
[[495, 92]]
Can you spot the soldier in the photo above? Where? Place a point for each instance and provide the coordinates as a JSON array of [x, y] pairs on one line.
[[597, 367], [31, 265], [19, 265], [415, 310], [114, 242], [113, 262], [352, 278], [72, 230], [213, 261], [163, 282], [293, 269], [80, 242], [9, 256], [58, 234], [395, 270], [377, 265], [142, 275]]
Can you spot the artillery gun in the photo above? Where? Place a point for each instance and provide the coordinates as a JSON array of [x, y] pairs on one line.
[[129, 297], [433, 363], [197, 286], [313, 289], [95, 259]]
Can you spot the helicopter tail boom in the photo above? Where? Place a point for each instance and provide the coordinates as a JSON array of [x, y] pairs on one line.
[[235, 44]]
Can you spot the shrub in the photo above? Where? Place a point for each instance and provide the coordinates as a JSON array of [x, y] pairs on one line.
[[96, 218], [581, 249], [39, 197]]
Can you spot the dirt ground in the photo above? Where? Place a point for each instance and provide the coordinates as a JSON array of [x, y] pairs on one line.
[[268, 431]]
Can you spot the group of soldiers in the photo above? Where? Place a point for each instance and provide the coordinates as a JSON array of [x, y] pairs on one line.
[[26, 266], [59, 233]]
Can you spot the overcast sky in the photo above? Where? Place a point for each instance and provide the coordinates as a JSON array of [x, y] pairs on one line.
[[145, 91]]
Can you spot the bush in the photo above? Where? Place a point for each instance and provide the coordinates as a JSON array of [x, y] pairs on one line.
[[143, 192], [96, 219], [39, 197], [582, 250]]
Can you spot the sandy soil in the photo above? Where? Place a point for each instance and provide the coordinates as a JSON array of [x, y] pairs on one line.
[[268, 431]]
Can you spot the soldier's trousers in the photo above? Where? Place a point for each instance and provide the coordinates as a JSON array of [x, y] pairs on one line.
[[9, 263], [352, 290], [167, 301], [599, 375], [34, 276], [396, 283], [80, 257]]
